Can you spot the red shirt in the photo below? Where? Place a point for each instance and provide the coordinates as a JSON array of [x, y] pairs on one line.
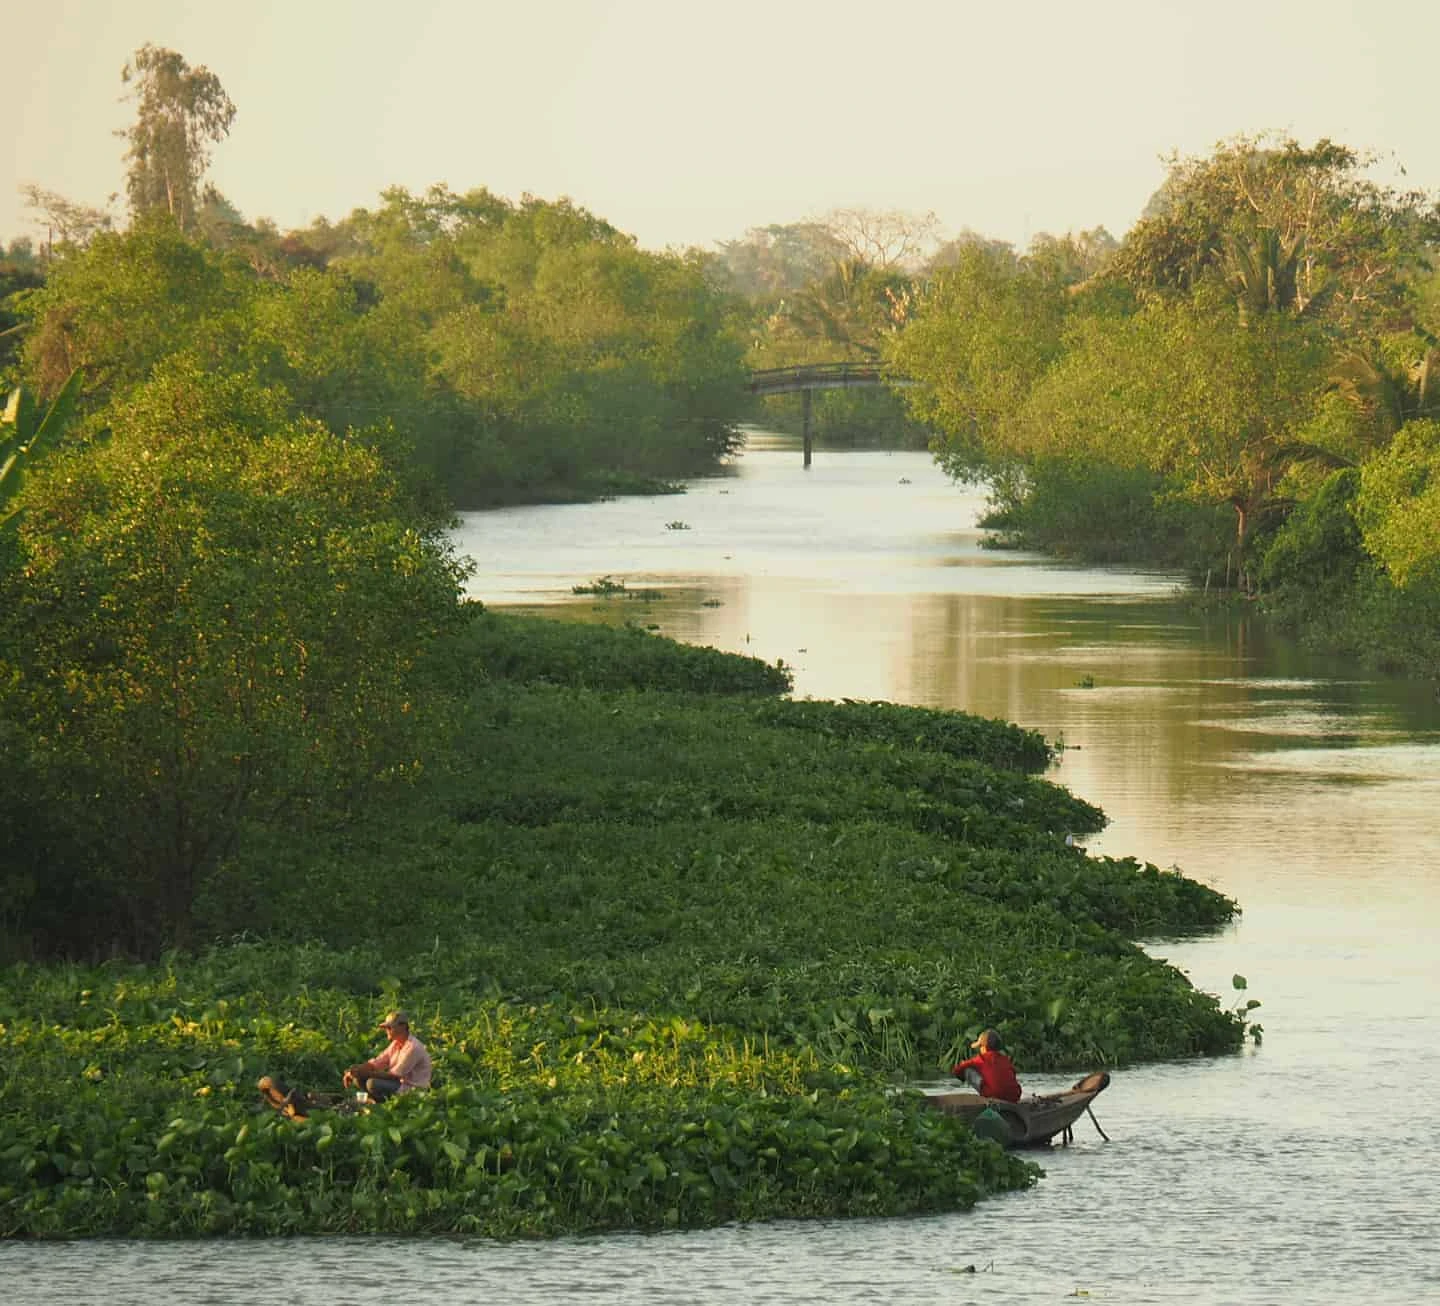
[[997, 1075]]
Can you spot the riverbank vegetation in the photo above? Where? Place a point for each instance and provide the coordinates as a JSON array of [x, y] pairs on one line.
[[672, 948], [677, 943], [1245, 386]]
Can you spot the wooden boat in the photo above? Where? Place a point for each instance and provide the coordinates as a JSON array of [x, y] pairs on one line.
[[295, 1105], [1033, 1121]]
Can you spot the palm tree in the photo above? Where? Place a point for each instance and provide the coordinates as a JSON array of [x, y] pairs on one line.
[[1263, 272], [25, 431], [1389, 392]]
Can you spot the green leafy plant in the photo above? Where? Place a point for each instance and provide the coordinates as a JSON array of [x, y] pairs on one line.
[[27, 431]]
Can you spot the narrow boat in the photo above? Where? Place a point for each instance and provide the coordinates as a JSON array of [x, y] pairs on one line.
[[1032, 1121], [294, 1104]]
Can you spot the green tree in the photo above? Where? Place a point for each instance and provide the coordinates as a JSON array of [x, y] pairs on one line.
[[1319, 551], [217, 620], [127, 301], [180, 112], [1398, 506], [1389, 382], [1212, 405], [986, 331]]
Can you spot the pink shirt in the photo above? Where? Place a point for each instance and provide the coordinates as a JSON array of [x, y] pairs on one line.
[[407, 1060]]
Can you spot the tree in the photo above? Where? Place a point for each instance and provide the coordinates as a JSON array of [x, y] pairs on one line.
[[1212, 404], [986, 330], [883, 239], [127, 301], [1070, 260], [69, 222], [953, 250], [769, 262], [217, 621], [179, 112], [1286, 227], [846, 314], [1398, 506], [1389, 382]]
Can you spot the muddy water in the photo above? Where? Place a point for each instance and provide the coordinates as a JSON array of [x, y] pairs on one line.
[[1303, 1169]]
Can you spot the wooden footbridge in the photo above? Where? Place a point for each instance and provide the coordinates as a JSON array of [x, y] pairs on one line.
[[809, 377]]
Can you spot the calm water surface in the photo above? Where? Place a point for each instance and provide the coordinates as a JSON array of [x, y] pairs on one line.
[[1297, 1172]]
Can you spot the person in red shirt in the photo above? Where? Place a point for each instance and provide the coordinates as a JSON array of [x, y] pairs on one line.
[[990, 1073]]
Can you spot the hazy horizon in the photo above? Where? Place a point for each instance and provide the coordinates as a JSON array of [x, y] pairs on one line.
[[687, 127]]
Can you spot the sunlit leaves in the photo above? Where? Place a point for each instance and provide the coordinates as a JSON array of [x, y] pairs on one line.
[[1398, 505], [1209, 403]]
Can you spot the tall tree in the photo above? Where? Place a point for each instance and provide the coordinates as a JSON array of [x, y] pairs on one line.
[[1286, 228], [129, 300], [1216, 407], [180, 111]]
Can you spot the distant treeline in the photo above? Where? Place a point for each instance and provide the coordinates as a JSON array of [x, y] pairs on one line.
[[506, 351]]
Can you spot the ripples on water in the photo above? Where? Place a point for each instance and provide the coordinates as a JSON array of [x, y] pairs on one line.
[[1303, 1171]]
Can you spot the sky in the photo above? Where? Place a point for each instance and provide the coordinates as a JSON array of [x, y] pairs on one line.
[[687, 124]]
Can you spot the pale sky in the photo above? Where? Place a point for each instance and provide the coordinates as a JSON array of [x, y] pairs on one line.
[[686, 124]]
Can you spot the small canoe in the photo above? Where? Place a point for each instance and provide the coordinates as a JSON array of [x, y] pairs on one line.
[[1033, 1121], [294, 1104]]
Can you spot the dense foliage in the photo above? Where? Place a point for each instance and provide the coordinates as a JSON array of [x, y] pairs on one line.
[[1186, 397], [665, 947], [213, 617], [519, 351], [676, 942], [137, 1118]]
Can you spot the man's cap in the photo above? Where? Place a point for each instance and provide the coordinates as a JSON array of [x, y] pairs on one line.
[[988, 1039], [395, 1018]]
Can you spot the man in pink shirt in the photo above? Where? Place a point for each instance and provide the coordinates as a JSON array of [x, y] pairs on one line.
[[402, 1066]]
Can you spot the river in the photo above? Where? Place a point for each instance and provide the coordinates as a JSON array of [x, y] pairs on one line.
[[1302, 1169]]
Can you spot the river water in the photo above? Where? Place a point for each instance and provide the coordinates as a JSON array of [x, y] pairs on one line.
[[1300, 1170]]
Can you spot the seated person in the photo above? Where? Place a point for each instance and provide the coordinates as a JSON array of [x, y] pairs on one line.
[[991, 1073], [402, 1066]]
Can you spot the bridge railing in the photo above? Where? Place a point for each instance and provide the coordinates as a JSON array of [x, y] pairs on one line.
[[819, 376]]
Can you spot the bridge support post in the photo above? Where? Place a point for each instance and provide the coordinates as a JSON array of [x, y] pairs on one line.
[[805, 410]]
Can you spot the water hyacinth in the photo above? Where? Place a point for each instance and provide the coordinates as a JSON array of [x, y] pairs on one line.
[[675, 953]]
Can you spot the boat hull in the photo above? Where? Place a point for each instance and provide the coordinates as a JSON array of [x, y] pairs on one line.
[[1033, 1121]]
